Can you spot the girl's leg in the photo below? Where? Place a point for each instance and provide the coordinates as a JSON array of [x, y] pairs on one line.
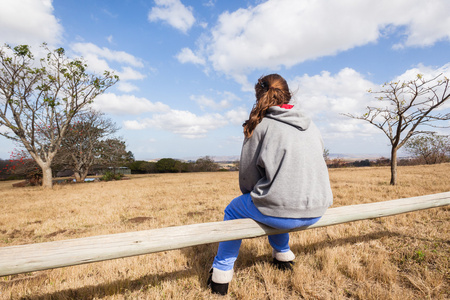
[[243, 207], [222, 269], [283, 257], [227, 254], [228, 251], [279, 242]]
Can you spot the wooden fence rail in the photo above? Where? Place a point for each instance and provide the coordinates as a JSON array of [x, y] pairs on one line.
[[42, 256]]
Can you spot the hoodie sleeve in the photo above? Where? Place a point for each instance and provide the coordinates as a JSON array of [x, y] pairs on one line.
[[250, 172]]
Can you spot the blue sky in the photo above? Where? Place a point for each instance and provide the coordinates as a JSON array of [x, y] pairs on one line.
[[187, 67]]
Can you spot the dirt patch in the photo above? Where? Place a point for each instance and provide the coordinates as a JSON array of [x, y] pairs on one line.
[[55, 233], [18, 233], [195, 213], [139, 219], [20, 184], [36, 222]]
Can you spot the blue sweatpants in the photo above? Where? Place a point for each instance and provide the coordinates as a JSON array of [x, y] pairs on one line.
[[242, 207]]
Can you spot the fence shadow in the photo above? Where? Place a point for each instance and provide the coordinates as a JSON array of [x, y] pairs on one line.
[[199, 260], [251, 258], [111, 288], [344, 241]]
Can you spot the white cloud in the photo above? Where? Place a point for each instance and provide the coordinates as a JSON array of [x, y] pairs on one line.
[[126, 104], [126, 87], [206, 103], [210, 3], [91, 50], [258, 38], [426, 24], [325, 97], [186, 55], [190, 125], [327, 94], [237, 116], [101, 59], [174, 13], [29, 22], [134, 125], [427, 71], [128, 73], [184, 123]]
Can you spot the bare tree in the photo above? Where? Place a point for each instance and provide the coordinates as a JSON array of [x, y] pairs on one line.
[[404, 106], [82, 145], [44, 95], [431, 149]]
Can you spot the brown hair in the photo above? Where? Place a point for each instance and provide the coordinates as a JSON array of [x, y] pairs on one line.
[[270, 90]]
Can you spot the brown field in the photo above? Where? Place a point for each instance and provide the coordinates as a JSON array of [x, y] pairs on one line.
[[398, 257]]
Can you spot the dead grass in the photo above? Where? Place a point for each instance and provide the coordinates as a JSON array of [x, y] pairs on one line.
[[399, 257]]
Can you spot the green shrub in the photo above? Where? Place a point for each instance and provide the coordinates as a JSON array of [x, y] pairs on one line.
[[108, 176]]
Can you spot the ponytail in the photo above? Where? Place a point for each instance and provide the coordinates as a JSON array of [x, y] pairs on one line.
[[270, 90]]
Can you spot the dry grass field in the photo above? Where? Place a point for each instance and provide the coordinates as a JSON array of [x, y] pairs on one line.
[[399, 257]]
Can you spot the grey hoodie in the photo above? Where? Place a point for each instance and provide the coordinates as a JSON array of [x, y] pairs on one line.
[[282, 166]]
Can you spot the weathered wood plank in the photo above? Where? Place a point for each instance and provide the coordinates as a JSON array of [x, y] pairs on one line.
[[42, 256]]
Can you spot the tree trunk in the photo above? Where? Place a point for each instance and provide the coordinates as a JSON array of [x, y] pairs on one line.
[[77, 176], [394, 166], [81, 175], [47, 178], [84, 175]]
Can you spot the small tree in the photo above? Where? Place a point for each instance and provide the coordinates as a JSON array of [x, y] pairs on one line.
[[403, 107], [20, 165], [431, 149], [326, 154], [168, 165], [113, 153], [82, 145], [206, 164], [44, 95], [142, 167]]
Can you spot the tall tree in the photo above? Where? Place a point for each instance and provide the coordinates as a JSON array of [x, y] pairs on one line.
[[82, 145], [44, 95], [404, 106]]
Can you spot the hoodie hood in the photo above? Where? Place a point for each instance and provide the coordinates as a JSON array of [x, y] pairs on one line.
[[289, 114]]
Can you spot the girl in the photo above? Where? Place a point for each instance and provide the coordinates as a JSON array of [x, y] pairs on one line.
[[282, 175]]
